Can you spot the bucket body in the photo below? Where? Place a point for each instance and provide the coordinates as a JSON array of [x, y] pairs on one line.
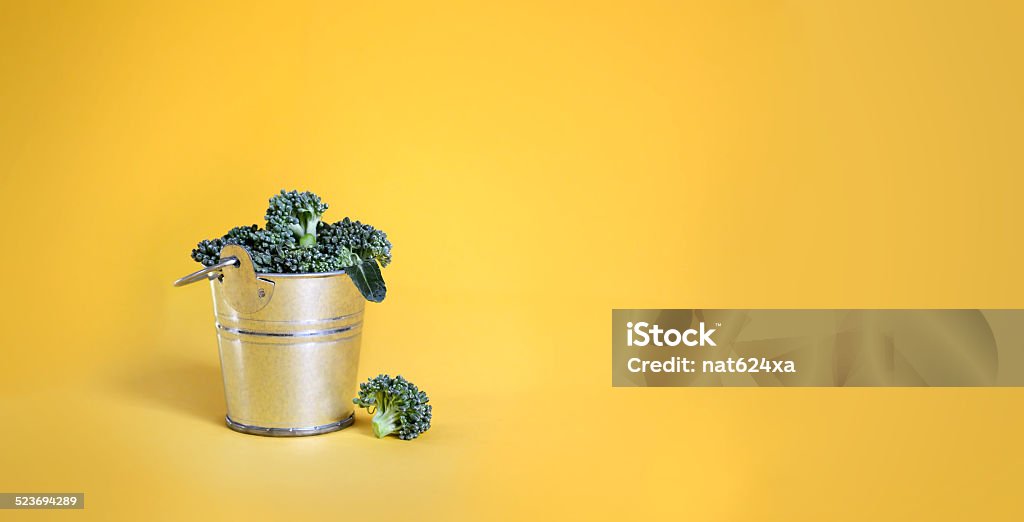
[[290, 368]]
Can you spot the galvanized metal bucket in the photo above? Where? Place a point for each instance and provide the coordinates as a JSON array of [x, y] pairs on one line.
[[289, 346]]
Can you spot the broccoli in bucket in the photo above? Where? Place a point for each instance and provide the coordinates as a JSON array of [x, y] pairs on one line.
[[296, 240]]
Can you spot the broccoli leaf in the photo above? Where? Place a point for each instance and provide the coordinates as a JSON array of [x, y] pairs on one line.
[[366, 276]]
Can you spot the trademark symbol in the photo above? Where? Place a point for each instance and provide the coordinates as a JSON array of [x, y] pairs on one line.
[[718, 325]]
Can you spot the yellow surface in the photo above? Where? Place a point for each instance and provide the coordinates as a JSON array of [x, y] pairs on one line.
[[536, 165]]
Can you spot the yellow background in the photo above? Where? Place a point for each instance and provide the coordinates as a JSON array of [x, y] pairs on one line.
[[536, 165]]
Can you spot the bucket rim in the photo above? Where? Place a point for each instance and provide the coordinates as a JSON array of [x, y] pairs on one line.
[[310, 275]]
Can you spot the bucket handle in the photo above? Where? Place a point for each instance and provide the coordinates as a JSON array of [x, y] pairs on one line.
[[207, 273], [241, 287]]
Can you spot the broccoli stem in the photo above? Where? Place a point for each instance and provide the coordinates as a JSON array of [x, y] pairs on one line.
[[305, 229], [311, 224], [385, 422]]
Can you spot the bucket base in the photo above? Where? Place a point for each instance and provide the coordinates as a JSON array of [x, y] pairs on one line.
[[290, 432]]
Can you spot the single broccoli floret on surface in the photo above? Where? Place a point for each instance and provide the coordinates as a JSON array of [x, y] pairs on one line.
[[399, 408], [298, 213]]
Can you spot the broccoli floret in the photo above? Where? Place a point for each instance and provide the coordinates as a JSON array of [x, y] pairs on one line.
[[207, 252], [297, 213], [398, 407], [264, 247], [302, 260], [352, 237]]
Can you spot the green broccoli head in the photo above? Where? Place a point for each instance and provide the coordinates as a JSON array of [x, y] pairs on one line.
[[296, 241], [399, 408], [296, 213]]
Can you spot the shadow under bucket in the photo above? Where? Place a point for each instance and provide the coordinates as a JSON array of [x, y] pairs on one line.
[[289, 346]]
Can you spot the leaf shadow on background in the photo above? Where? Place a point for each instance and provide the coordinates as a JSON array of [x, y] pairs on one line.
[[177, 385]]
